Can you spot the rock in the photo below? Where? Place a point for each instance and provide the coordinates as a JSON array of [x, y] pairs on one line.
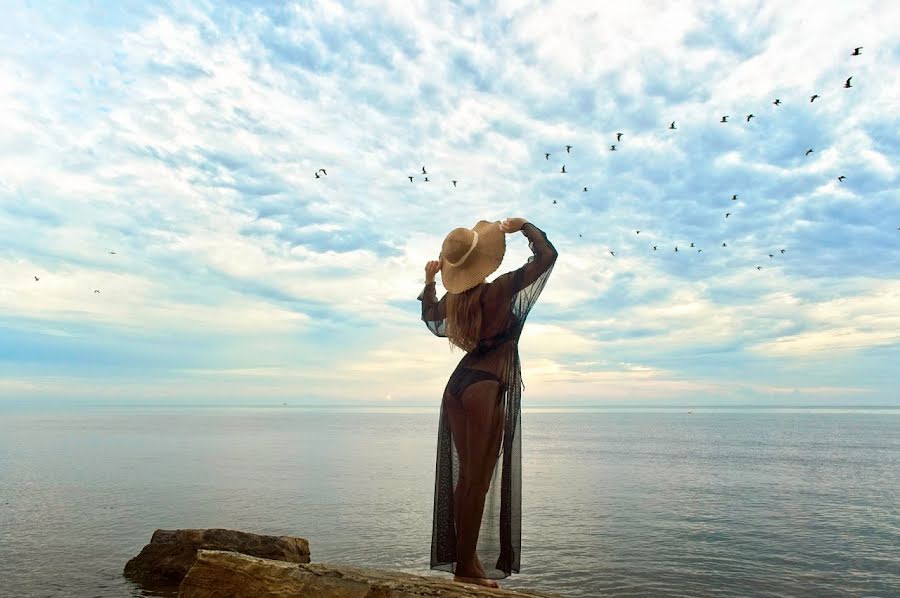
[[217, 574], [170, 554]]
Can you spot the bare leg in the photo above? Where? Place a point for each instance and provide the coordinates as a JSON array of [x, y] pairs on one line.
[[484, 424], [457, 418]]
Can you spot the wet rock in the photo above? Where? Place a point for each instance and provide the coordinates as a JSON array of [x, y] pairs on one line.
[[170, 554]]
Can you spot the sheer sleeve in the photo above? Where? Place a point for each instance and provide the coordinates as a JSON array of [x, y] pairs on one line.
[[434, 312], [523, 286]]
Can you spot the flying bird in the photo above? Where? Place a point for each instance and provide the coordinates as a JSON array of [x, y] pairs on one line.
[[813, 97], [676, 248], [841, 178], [96, 291], [734, 197], [454, 183], [856, 51], [847, 84], [568, 147], [546, 156], [579, 235], [770, 255], [112, 253], [317, 175], [584, 190], [777, 101], [554, 201], [618, 137], [727, 214], [724, 245], [426, 179], [423, 170], [782, 251], [612, 148], [749, 116], [699, 250], [36, 278], [654, 248], [612, 253], [410, 179], [809, 151], [759, 267], [563, 169], [637, 232], [672, 126], [322, 170], [724, 119], [692, 244]]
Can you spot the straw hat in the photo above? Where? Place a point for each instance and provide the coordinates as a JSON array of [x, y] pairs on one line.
[[468, 255]]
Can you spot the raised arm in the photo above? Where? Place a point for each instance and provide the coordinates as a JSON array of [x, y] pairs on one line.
[[434, 312], [523, 286]]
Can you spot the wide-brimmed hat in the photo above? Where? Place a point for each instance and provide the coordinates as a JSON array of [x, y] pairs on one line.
[[468, 255]]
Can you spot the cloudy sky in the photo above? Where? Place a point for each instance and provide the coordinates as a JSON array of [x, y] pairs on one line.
[[184, 137]]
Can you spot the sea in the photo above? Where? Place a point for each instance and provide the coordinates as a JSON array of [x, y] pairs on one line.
[[616, 501]]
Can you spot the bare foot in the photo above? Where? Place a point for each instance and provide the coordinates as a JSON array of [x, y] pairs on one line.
[[477, 580]]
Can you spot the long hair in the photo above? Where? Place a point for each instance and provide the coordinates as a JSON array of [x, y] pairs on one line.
[[464, 318]]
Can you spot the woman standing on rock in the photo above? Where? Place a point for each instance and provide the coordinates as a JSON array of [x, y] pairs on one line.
[[477, 529]]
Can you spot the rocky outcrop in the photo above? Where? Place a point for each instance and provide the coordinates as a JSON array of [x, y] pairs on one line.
[[170, 554], [217, 573]]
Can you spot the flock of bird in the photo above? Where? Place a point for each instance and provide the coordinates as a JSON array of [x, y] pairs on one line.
[[672, 126], [612, 147]]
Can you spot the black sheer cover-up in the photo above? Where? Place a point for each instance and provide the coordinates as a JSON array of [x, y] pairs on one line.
[[505, 303]]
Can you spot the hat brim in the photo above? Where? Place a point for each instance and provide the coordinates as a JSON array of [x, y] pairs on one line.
[[483, 261]]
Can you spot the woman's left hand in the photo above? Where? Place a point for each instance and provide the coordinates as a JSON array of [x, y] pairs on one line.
[[432, 267]]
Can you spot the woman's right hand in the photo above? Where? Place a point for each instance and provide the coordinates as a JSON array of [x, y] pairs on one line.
[[512, 225]]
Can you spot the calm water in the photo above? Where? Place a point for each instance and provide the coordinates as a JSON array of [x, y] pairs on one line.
[[617, 502]]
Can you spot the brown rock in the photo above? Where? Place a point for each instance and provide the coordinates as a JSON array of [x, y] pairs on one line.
[[171, 553], [217, 574]]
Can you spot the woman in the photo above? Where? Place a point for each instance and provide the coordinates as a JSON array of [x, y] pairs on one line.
[[476, 531]]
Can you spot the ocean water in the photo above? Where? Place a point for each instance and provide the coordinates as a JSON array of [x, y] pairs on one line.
[[616, 502]]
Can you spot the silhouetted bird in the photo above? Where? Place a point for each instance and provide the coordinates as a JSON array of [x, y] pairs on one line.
[[637, 232], [672, 126], [454, 183], [724, 245], [809, 151], [692, 244], [579, 235], [654, 248], [410, 179], [563, 169], [36, 278], [841, 178], [317, 175], [813, 97], [322, 170], [734, 197], [554, 201], [568, 147], [724, 119], [847, 84], [727, 214], [782, 251], [612, 253], [770, 255], [618, 137], [96, 291], [112, 253], [423, 170], [856, 51], [699, 250], [426, 179], [676, 248], [612, 148], [546, 156], [584, 190], [749, 116], [759, 267], [777, 101]]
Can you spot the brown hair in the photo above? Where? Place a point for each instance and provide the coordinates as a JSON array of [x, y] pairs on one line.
[[464, 318]]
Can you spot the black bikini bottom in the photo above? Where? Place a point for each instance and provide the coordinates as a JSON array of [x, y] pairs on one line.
[[463, 377]]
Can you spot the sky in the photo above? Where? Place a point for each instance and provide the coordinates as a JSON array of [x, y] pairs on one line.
[[163, 154]]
